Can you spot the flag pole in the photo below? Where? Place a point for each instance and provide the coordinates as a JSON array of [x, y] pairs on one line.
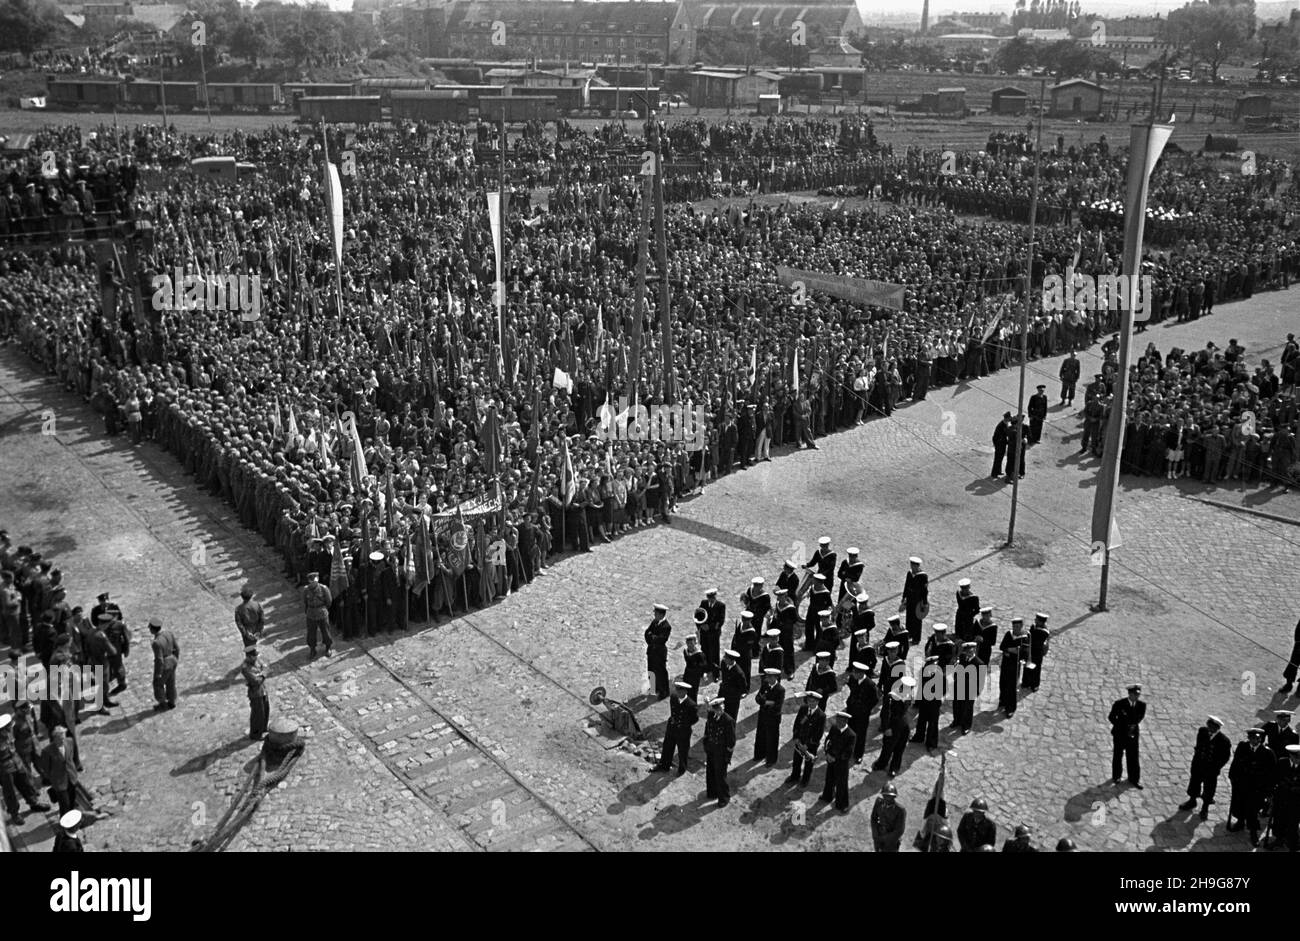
[[338, 262], [1014, 470]]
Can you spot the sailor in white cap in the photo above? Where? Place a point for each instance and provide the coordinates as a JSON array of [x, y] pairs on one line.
[[915, 602], [695, 665], [929, 703], [67, 840], [968, 611], [840, 742], [1280, 733], [745, 641], [941, 645], [861, 703], [967, 682], [893, 664], [895, 727], [809, 727], [828, 638], [757, 601], [1040, 639], [682, 716], [851, 570], [1252, 773], [719, 743], [770, 699], [710, 631], [789, 579], [1209, 756], [784, 618], [819, 599], [861, 650], [316, 601], [822, 678], [822, 562], [986, 634], [656, 649], [771, 655], [733, 684], [1125, 719]]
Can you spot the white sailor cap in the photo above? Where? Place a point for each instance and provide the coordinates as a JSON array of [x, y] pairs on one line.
[[823, 655], [731, 653], [893, 619], [824, 541], [771, 671], [824, 613], [747, 615], [812, 694], [915, 560], [987, 609], [908, 682], [964, 583], [860, 666], [662, 608], [940, 628], [772, 632], [1214, 720], [852, 550], [376, 556], [681, 684], [71, 820], [1041, 616], [758, 580], [819, 577], [843, 715], [1293, 749], [892, 645]]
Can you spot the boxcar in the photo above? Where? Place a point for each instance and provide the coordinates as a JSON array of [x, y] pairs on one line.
[[149, 96], [295, 90], [430, 106], [518, 108], [353, 109], [611, 99], [244, 96], [91, 93], [384, 87], [473, 92]]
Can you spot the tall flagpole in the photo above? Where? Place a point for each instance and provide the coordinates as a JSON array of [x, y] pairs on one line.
[[1146, 142], [661, 246], [1014, 470]]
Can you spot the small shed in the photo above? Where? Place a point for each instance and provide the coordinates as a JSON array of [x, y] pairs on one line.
[[1010, 100], [1252, 106], [769, 104], [1076, 98]]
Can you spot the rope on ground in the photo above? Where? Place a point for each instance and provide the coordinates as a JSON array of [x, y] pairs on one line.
[[246, 802]]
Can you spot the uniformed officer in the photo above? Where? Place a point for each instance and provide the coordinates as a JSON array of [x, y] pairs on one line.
[[1252, 773], [1211, 753], [744, 640], [1015, 647], [862, 700], [682, 715], [839, 752], [1289, 672], [929, 704], [249, 617], [809, 727], [259, 704], [987, 635], [757, 601], [719, 743], [770, 699], [119, 636], [1039, 642], [67, 839], [166, 657], [14, 781], [850, 571], [968, 609], [861, 650], [976, 829], [1037, 414], [822, 677], [967, 685], [896, 633], [823, 561], [894, 727], [1125, 719], [789, 580], [1279, 733], [733, 685], [316, 601], [785, 616], [819, 600], [941, 646], [771, 655], [656, 649], [1286, 802], [892, 666], [693, 672], [888, 821], [710, 629], [915, 603], [1021, 842]]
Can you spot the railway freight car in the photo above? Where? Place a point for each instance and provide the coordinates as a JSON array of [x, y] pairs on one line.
[[244, 96], [611, 99], [90, 94], [384, 87], [353, 109], [474, 92], [295, 90], [518, 108], [430, 106], [153, 96]]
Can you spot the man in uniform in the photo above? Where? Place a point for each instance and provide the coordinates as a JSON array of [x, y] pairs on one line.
[[656, 649], [693, 671], [58, 768], [818, 601], [828, 638], [822, 678], [770, 699], [787, 613], [968, 609], [771, 655], [710, 629], [850, 571], [862, 651], [733, 685], [1022, 841], [1211, 753], [823, 561], [789, 580], [839, 752], [862, 701], [1037, 414], [968, 683], [1039, 641], [892, 665], [941, 646], [1015, 650], [1252, 773], [930, 704], [1069, 376], [894, 728], [259, 704], [166, 657], [757, 601], [888, 821], [915, 603], [1289, 672], [1000, 435], [1125, 719], [1286, 802], [744, 641], [67, 840], [986, 637], [316, 601], [249, 617], [682, 715], [809, 727], [13, 776], [1279, 734], [719, 743], [976, 829]]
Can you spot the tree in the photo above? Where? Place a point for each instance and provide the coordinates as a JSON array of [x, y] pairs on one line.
[[1211, 33], [25, 25], [1015, 55]]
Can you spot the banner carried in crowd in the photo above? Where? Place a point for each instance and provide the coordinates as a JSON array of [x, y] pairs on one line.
[[858, 290]]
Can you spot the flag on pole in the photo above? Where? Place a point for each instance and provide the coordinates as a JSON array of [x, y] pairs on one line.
[[562, 380], [794, 371], [753, 366], [1078, 250], [1146, 143], [334, 205], [390, 497], [359, 469], [491, 443], [423, 556], [498, 286], [568, 482], [291, 435], [339, 581]]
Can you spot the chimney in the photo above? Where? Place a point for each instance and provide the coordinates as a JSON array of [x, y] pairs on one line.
[[925, 17]]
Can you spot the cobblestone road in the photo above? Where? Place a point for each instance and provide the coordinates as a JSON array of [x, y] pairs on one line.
[[477, 733]]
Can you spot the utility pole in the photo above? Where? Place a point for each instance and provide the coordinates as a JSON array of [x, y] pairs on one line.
[[1014, 469]]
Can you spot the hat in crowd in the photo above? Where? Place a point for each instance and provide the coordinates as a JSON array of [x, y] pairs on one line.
[[893, 619], [860, 666], [71, 820], [987, 609], [964, 583], [908, 682], [1041, 388], [970, 644], [1024, 829], [758, 580], [744, 615], [852, 550], [1040, 616], [1293, 750], [915, 560], [1134, 687], [662, 608], [892, 645], [710, 593], [5, 721], [1214, 720], [155, 624], [811, 694], [824, 541], [863, 632], [681, 684], [1283, 714], [819, 577], [717, 701], [772, 632], [1256, 732], [823, 655], [789, 563], [941, 628], [376, 556], [843, 715], [771, 671], [824, 613], [731, 653], [1017, 620]]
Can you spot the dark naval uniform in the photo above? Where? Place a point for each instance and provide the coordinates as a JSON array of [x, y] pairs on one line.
[[767, 738], [1252, 773], [682, 715], [839, 752], [809, 727], [719, 743], [1125, 720], [656, 654], [732, 687]]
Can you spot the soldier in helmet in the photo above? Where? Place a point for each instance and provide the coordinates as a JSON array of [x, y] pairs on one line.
[[976, 829], [888, 820], [1021, 842], [1066, 845]]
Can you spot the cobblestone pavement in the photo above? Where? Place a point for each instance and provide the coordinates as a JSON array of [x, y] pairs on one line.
[[477, 733]]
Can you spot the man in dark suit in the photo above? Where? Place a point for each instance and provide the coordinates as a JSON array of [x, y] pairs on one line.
[[1000, 434], [1208, 758], [915, 603], [1037, 414], [862, 701], [770, 699], [682, 715], [809, 727], [818, 601], [1252, 773], [719, 743], [840, 743], [789, 579], [1125, 718], [733, 684], [656, 649], [711, 630], [1279, 733]]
